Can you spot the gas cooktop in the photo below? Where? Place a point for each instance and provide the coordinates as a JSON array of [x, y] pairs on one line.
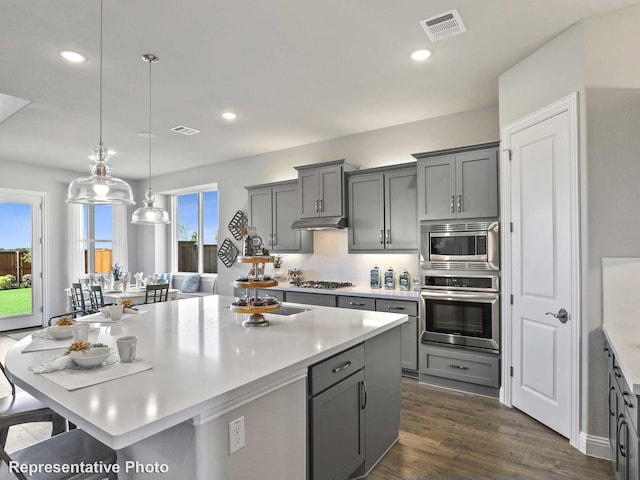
[[322, 284]]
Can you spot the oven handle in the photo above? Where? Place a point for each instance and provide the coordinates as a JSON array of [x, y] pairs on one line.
[[459, 295]]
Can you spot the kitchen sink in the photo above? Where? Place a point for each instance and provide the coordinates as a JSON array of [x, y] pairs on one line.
[[289, 311]]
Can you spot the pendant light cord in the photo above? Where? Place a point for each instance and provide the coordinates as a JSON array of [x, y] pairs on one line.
[[150, 62], [101, 14]]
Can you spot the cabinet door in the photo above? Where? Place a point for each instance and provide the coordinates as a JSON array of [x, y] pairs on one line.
[[436, 188], [409, 344], [285, 212], [260, 213], [337, 430], [633, 466], [613, 416], [308, 192], [366, 212], [477, 184], [400, 206], [331, 190]]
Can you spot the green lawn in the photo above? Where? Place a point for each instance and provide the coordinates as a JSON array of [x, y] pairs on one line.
[[15, 302]]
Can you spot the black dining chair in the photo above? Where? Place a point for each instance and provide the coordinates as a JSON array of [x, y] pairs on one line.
[[77, 297], [20, 407], [69, 448], [96, 297], [156, 293]]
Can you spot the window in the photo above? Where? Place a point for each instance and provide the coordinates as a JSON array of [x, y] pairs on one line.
[[196, 232], [97, 238]]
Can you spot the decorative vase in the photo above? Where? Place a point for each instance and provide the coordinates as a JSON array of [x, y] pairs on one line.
[[117, 285]]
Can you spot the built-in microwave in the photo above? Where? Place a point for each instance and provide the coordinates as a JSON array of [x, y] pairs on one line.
[[460, 246]]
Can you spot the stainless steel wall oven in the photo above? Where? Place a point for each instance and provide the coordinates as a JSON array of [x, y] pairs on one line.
[[461, 310]]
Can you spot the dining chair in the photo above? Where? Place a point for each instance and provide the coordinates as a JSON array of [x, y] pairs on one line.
[[69, 448], [77, 297], [156, 293], [21, 407], [96, 297]]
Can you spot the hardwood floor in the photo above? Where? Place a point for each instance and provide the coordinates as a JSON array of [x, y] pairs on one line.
[[453, 435]]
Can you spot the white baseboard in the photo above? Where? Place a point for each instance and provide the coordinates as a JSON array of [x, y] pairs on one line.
[[594, 446]]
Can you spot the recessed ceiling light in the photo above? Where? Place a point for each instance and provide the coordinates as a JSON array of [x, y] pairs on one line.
[[229, 116], [72, 56], [420, 55]]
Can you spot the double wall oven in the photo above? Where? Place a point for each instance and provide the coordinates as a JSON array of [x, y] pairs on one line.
[[460, 284]]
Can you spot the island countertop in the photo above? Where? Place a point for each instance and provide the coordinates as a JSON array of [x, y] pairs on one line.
[[202, 359]]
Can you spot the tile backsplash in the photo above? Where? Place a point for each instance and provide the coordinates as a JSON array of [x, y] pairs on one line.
[[331, 260]]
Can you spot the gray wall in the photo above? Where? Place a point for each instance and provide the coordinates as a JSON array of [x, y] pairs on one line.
[[593, 58], [386, 146]]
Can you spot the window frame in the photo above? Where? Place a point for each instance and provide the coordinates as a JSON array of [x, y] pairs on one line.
[[89, 232], [200, 191]]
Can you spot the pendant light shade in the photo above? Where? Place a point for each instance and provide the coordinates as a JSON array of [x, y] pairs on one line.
[[150, 214], [100, 188]]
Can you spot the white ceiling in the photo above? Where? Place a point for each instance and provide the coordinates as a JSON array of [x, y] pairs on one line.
[[295, 72]]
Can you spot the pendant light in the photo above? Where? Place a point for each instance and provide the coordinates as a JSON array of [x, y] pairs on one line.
[[150, 214], [100, 188]]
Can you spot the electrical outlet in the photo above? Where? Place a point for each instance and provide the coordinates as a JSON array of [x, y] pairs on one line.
[[236, 435]]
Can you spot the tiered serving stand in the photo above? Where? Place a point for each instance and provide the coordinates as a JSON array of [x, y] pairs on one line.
[[256, 319]]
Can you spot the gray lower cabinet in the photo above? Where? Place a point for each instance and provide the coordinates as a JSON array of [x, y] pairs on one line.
[[337, 416], [382, 210], [320, 299], [623, 423], [272, 210], [459, 183], [461, 369], [354, 408]]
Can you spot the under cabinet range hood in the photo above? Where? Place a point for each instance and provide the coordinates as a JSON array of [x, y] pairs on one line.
[[321, 195], [320, 223]]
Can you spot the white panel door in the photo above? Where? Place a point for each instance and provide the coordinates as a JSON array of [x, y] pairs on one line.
[[541, 271], [21, 291]]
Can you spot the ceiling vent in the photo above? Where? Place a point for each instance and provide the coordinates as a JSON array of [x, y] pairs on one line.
[[443, 25], [185, 130]]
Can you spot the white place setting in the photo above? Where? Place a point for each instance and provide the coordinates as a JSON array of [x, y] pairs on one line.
[[110, 314]]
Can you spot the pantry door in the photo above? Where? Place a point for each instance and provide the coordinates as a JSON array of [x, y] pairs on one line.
[[21, 291], [543, 248]]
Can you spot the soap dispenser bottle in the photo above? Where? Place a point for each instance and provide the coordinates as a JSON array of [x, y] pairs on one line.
[[389, 279]]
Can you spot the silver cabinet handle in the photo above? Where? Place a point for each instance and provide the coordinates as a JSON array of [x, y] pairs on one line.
[[357, 304], [452, 208], [271, 239], [562, 315], [363, 387], [624, 399], [321, 205], [317, 206], [274, 239], [616, 372], [342, 367], [381, 237], [388, 237], [459, 367], [393, 307], [459, 203]]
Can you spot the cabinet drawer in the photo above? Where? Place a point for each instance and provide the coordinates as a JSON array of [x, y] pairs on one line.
[[461, 366], [311, 298], [397, 306], [331, 371], [358, 303], [630, 405]]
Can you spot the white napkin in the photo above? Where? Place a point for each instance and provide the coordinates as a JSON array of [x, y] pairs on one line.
[[53, 364]]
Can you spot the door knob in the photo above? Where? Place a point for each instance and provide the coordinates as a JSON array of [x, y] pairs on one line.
[[562, 315]]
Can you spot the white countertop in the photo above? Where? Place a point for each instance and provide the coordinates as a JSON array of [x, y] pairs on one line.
[[355, 291], [202, 359], [624, 340]]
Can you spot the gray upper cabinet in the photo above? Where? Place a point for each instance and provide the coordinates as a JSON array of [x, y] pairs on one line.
[[272, 210], [460, 183], [321, 189], [382, 210]]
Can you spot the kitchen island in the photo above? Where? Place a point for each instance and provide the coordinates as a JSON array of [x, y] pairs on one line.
[[207, 371]]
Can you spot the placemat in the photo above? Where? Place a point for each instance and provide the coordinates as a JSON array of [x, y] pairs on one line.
[[100, 318], [41, 343], [75, 378]]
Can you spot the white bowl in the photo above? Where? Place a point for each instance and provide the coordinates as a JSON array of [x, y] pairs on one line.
[[91, 357], [60, 331]]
